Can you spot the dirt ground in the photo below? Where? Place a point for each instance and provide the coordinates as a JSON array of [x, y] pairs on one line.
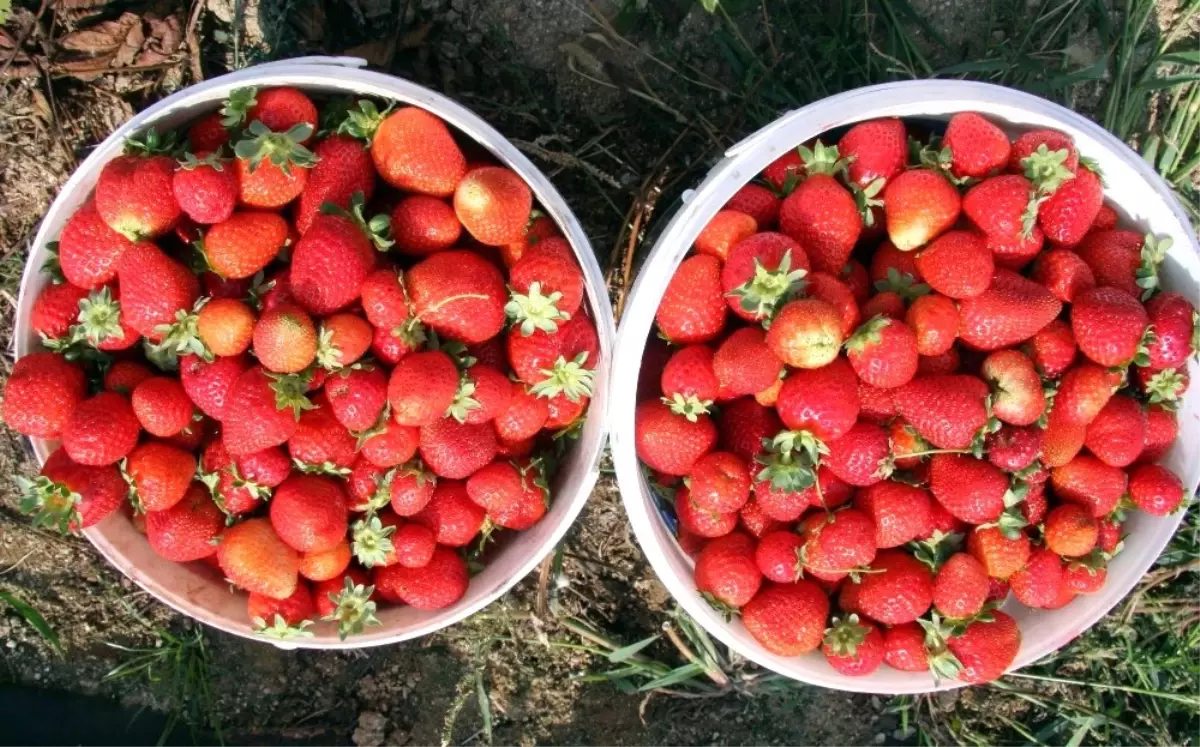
[[605, 121]]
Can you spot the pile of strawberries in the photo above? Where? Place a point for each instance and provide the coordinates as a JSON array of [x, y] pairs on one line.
[[327, 408], [906, 381]]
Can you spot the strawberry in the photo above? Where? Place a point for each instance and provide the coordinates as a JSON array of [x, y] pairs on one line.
[[493, 204], [946, 410], [483, 394], [1161, 431], [784, 172], [900, 512], [262, 411], [411, 489], [1118, 433], [88, 249], [343, 339], [1083, 393], [1067, 214], [245, 243], [960, 587], [1002, 208], [671, 443], [225, 326], [523, 416], [1109, 325], [921, 204], [1070, 530], [1013, 449], [758, 202], [414, 545], [1015, 254], [855, 276], [823, 401], [1038, 583], [269, 467], [415, 151], [282, 617], [1053, 349], [206, 187], [1009, 312], [499, 487], [933, 365], [762, 272], [385, 304], [1155, 489], [556, 363], [331, 262], [977, 147], [1089, 482], [878, 405], [134, 196], [124, 376], [726, 570], [719, 482], [309, 513], [778, 556], [744, 364], [285, 339], [898, 591], [208, 132], [744, 424], [1081, 578], [422, 225], [272, 167], [1106, 219], [806, 333], [69, 496], [723, 232], [208, 384], [987, 648], [891, 268], [875, 149], [1064, 273], [438, 584], [1062, 439], [689, 384], [459, 294], [41, 394], [754, 520], [822, 216], [704, 524], [422, 388], [343, 168], [357, 397], [101, 430], [162, 406], [392, 444], [999, 554], [455, 450], [1017, 396], [825, 287], [904, 648], [787, 619], [883, 352], [547, 275], [278, 108], [454, 518], [187, 531], [154, 288], [692, 309], [253, 557], [1173, 318], [856, 457], [56, 309], [1030, 144], [957, 264], [853, 648], [934, 321], [320, 440], [970, 489], [1114, 257], [160, 474]]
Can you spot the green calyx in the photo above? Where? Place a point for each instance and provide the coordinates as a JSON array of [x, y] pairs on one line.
[[353, 609], [866, 198], [1166, 387], [844, 636], [152, 143], [942, 662], [258, 490], [382, 495], [329, 355], [790, 461], [903, 285], [1047, 169], [280, 630], [50, 504], [183, 336], [378, 228], [237, 107], [371, 541], [411, 332], [822, 159], [328, 469], [725, 610], [1154, 252], [768, 289], [362, 120], [868, 334], [569, 378], [1141, 356], [280, 149], [691, 406], [464, 400], [52, 266], [291, 392], [937, 548], [189, 162], [535, 310], [100, 317]]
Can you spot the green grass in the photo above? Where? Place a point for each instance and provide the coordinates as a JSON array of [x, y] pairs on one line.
[[32, 616]]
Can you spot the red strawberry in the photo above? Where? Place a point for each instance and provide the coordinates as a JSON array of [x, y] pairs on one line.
[[921, 204], [900, 512], [1173, 318], [726, 570], [1000, 555], [755, 521], [499, 487], [357, 397], [1108, 325], [744, 364], [878, 405], [422, 225], [671, 443], [276, 616], [1000, 207], [1017, 397], [784, 172], [806, 333], [888, 258], [253, 557], [422, 388], [856, 457], [206, 187], [438, 584], [1118, 433], [1062, 439], [1084, 391], [459, 294], [1013, 449], [970, 489], [1070, 530], [898, 591], [415, 151], [454, 518], [1038, 583], [272, 167], [947, 410], [320, 440], [556, 363], [876, 149], [957, 264], [208, 132], [761, 272], [689, 384], [1012, 310], [1081, 578], [208, 384], [393, 445], [1161, 432], [787, 619], [330, 263], [724, 231], [825, 287], [56, 309], [1089, 482], [1114, 257], [101, 430], [852, 648], [778, 557], [1053, 349], [245, 243], [947, 363], [823, 401], [987, 648], [744, 424], [134, 196], [343, 599], [883, 353], [934, 321], [188, 530], [88, 250], [822, 215], [758, 202], [545, 269], [704, 524], [414, 545], [1155, 489], [455, 450], [524, 415], [309, 513], [162, 406], [261, 411], [1014, 254], [977, 147], [960, 587], [343, 169], [692, 309], [1030, 144], [69, 496], [493, 204], [904, 648], [1066, 215], [483, 395], [41, 393], [154, 288], [1064, 273], [278, 108], [285, 339], [160, 474], [719, 482]]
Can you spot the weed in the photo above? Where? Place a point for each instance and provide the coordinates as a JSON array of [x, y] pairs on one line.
[[34, 618]]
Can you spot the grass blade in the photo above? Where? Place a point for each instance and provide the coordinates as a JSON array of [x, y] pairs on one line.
[[35, 620], [623, 653], [675, 676]]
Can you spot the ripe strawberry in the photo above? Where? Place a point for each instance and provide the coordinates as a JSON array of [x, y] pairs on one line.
[[744, 424], [393, 445], [878, 405], [806, 333], [357, 397], [1109, 325], [415, 151], [500, 487], [1030, 143], [414, 545], [205, 187], [1064, 273], [744, 364], [134, 196], [1066, 215], [261, 411], [422, 388], [154, 288], [343, 339], [253, 557], [719, 482], [280, 108], [555, 363], [822, 215], [671, 443], [876, 149], [41, 394], [946, 410], [330, 263], [898, 591], [101, 430], [1155, 489], [784, 172], [856, 457], [269, 467], [825, 287], [271, 615], [188, 530], [823, 401], [88, 249], [272, 167], [321, 440], [225, 326], [933, 365], [921, 204], [68, 496], [344, 599], [455, 450], [1035, 505], [1070, 530], [343, 169], [883, 353], [309, 513], [1012, 310], [977, 147], [758, 202], [422, 225], [56, 309], [724, 231], [970, 489], [726, 570], [853, 648], [689, 384], [524, 415], [1038, 583], [454, 518], [162, 406], [1083, 393], [459, 294], [705, 524], [1173, 319], [1161, 432], [436, 585], [762, 272], [1000, 555], [754, 520], [1017, 397], [900, 512], [999, 207], [692, 309], [208, 132], [1114, 257], [1014, 254], [904, 648], [957, 264], [908, 447], [960, 587], [493, 204], [124, 376], [544, 270], [385, 304], [285, 340], [1079, 577], [987, 648], [160, 474], [886, 259], [1089, 482], [244, 243], [934, 321], [778, 556], [208, 384], [483, 395], [1062, 439], [787, 619], [1013, 449], [1053, 349], [1118, 433]]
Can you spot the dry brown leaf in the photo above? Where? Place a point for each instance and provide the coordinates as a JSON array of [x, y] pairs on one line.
[[166, 34], [378, 53], [102, 39], [134, 39]]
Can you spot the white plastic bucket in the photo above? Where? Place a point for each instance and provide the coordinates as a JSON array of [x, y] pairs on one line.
[[1140, 197], [199, 593]]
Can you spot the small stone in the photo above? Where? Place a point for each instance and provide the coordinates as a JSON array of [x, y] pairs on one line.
[[880, 738], [372, 728]]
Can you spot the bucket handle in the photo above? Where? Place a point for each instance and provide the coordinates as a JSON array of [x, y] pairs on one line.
[[338, 61]]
